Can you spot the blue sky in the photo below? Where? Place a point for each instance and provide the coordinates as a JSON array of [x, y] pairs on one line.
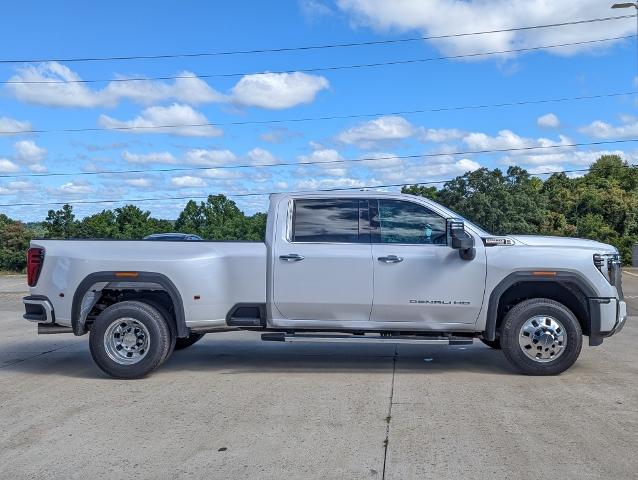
[[44, 30]]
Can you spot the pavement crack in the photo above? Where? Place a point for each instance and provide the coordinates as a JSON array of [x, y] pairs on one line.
[[388, 418]]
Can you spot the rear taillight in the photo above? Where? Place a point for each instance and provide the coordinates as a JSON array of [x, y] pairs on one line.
[[35, 259]]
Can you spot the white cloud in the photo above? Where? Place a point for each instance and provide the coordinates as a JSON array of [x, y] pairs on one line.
[[260, 156], [313, 10], [16, 187], [604, 130], [28, 152], [424, 172], [326, 183], [278, 135], [187, 181], [148, 158], [7, 166], [76, 188], [189, 89], [389, 127], [10, 125], [175, 114], [442, 135], [139, 182], [276, 91], [381, 160], [548, 120], [223, 174], [38, 168], [439, 17], [580, 158], [201, 157], [506, 139], [322, 155]]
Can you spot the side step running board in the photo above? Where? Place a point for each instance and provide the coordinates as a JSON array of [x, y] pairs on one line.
[[398, 339]]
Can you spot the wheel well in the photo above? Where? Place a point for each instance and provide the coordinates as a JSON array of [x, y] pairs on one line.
[[138, 286], [566, 293], [111, 296]]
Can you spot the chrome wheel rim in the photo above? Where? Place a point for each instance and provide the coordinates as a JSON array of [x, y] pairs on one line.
[[126, 341], [543, 338]]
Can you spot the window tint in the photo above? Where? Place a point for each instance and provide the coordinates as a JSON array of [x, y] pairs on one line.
[[329, 220], [407, 222]]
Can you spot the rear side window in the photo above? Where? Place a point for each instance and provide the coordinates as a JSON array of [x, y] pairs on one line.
[[409, 223], [327, 220]]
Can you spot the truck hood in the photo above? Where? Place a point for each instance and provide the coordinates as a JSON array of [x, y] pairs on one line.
[[564, 242]]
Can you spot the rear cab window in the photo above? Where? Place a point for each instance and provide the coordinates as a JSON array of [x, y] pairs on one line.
[[330, 221]]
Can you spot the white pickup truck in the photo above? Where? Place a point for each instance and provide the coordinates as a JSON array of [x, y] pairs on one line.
[[335, 267]]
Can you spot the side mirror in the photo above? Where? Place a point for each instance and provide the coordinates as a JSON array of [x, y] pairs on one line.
[[461, 240]]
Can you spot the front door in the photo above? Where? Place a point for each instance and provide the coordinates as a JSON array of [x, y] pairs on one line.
[[323, 270], [418, 278]]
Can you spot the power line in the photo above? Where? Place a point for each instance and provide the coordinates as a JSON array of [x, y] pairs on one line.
[[257, 194], [328, 162], [321, 69], [312, 47], [326, 118]]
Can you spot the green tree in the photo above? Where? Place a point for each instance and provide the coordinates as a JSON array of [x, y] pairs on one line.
[[501, 203], [61, 223], [14, 242], [132, 222], [191, 219], [99, 225]]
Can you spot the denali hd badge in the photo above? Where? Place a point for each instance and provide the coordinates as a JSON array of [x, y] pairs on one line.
[[439, 302], [494, 241]]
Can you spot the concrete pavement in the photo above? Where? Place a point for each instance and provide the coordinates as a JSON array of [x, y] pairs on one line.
[[232, 406]]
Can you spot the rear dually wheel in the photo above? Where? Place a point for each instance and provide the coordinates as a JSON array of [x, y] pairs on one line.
[[130, 339]]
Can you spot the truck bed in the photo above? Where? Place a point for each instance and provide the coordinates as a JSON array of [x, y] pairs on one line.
[[211, 277]]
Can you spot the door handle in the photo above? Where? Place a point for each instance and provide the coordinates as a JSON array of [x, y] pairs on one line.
[[291, 257], [391, 259]]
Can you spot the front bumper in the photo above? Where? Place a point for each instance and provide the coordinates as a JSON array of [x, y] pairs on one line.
[[620, 320], [38, 309], [607, 316]]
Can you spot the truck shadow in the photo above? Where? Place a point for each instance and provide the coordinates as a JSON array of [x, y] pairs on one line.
[[249, 357], [252, 356]]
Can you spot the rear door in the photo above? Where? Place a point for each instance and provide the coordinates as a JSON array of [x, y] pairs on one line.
[[323, 269], [418, 278]]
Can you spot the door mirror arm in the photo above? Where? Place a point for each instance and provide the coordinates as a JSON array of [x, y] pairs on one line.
[[460, 239]]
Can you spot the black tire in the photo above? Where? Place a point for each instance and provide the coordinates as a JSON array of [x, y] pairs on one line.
[[171, 324], [512, 336], [495, 344], [192, 338], [151, 325]]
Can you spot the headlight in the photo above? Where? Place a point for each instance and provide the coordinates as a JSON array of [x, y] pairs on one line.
[[609, 265]]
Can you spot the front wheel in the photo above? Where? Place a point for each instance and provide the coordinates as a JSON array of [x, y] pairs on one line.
[[130, 339], [540, 336]]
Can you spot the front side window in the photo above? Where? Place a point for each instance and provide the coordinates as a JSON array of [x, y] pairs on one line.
[[326, 220], [410, 223]]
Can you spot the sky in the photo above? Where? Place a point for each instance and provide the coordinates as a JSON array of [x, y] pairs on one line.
[[270, 108]]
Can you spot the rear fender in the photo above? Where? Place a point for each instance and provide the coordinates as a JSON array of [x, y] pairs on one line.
[[78, 318]]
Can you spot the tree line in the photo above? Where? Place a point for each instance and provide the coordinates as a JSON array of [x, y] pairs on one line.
[[601, 205]]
